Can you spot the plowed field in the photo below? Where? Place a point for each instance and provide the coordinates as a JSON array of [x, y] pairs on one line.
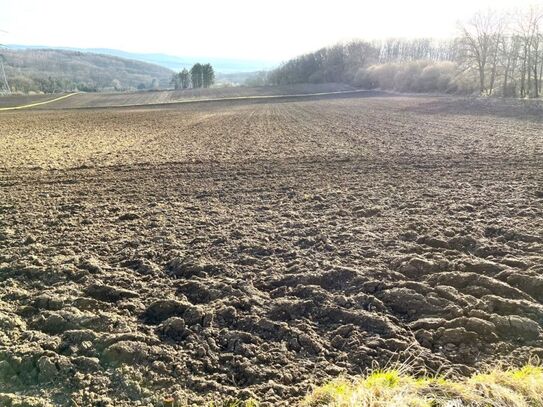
[[255, 249]]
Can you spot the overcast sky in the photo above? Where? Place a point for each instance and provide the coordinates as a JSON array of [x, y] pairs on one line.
[[272, 30]]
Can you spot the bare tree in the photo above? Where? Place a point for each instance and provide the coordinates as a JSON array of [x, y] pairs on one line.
[[509, 56], [480, 41], [529, 32]]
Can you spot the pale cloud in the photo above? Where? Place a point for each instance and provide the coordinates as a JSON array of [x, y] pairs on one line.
[[272, 30]]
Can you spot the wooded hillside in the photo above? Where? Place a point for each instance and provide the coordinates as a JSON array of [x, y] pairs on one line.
[[51, 71]]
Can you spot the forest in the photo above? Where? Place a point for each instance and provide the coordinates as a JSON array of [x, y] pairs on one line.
[[493, 55]]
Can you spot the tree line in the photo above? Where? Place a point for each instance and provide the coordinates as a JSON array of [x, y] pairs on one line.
[[199, 76], [494, 55], [506, 52]]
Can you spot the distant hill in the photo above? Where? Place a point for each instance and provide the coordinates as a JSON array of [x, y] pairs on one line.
[[53, 70], [221, 65]]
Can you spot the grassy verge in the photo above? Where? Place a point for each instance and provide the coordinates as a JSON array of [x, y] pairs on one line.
[[496, 388]]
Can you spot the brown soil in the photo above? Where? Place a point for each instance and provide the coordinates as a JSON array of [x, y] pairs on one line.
[[256, 249], [18, 100], [113, 99]]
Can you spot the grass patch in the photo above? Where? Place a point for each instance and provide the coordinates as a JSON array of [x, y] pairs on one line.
[[394, 388]]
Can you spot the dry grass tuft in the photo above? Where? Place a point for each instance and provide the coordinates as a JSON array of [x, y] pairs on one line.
[[395, 388]]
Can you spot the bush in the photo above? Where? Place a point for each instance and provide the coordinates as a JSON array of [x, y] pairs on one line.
[[415, 76]]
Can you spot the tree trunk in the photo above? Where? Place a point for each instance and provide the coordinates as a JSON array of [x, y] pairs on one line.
[[536, 84], [529, 75], [482, 78], [506, 76], [540, 75], [523, 74], [493, 72]]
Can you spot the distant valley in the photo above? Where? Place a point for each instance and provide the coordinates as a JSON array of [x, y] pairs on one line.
[[221, 65], [35, 69]]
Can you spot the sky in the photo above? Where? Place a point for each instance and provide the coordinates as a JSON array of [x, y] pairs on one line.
[[274, 30]]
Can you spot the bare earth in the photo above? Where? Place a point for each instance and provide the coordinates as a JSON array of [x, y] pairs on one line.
[[254, 249], [104, 99]]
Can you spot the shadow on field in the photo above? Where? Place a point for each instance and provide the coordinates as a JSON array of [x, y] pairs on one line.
[[530, 110], [355, 95]]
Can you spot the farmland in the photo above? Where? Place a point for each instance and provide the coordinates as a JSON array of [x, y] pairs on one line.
[[256, 248], [120, 99]]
